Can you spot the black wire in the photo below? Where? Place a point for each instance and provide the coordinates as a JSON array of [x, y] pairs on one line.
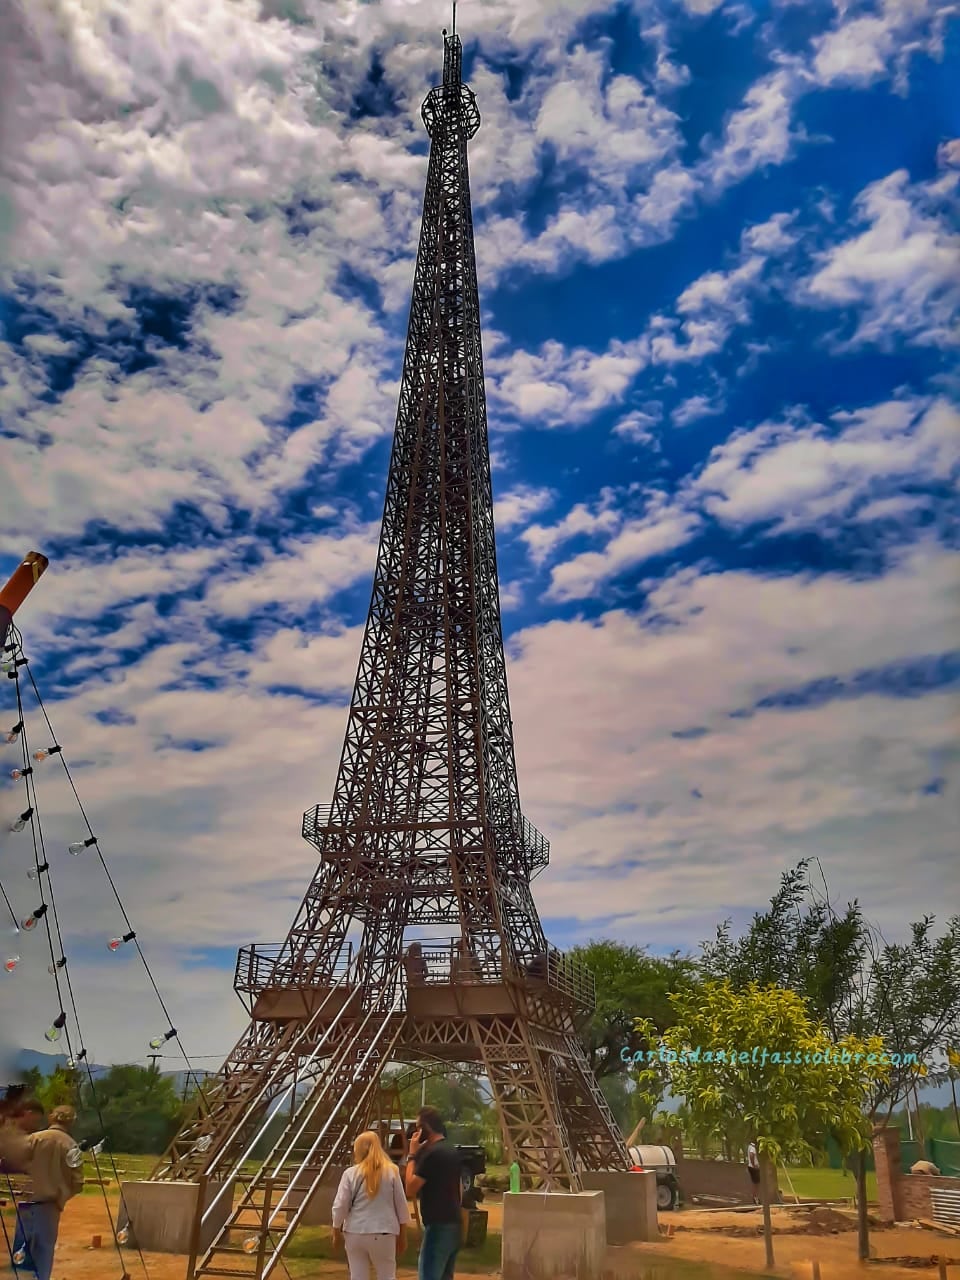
[[106, 869], [19, 1220], [13, 914], [40, 859]]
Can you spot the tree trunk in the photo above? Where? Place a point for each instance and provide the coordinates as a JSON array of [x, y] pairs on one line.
[[956, 1112], [766, 1182], [863, 1225]]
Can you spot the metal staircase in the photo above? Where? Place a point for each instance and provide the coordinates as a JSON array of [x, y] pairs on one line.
[[249, 1083], [594, 1134], [273, 1201]]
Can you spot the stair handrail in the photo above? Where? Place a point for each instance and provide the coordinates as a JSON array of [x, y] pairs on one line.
[[307, 1027]]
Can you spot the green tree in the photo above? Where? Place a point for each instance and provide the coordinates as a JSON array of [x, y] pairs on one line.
[[855, 983], [136, 1109], [788, 1103], [630, 984]]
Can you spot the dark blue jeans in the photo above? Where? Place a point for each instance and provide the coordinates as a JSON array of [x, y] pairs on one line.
[[36, 1237], [438, 1252]]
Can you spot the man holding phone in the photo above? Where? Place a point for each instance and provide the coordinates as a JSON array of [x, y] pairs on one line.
[[433, 1176]]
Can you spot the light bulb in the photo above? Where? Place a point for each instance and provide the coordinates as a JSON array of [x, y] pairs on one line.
[[36, 872], [116, 943], [46, 752], [251, 1245], [54, 1031], [204, 1143], [20, 1257], [33, 920], [22, 821], [123, 1235], [78, 846], [11, 963], [159, 1041], [17, 774], [98, 1149], [14, 733], [74, 1158], [52, 968]]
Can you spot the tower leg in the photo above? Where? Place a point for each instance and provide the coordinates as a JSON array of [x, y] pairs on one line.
[[527, 1104], [594, 1133]]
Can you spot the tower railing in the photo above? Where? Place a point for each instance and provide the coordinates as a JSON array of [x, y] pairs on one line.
[[446, 962], [333, 841], [258, 969]]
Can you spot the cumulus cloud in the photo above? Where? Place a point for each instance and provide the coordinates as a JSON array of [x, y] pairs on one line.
[[901, 275]]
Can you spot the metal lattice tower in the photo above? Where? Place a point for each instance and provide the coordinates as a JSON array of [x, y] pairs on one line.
[[425, 829]]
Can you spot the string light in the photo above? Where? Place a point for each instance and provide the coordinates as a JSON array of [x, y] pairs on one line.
[[11, 963], [20, 1257], [123, 1235], [116, 943], [33, 920], [78, 846], [159, 1041], [22, 821], [55, 1030], [74, 1157], [36, 872], [17, 774], [45, 752], [10, 665], [251, 1245], [204, 1143], [52, 968], [14, 733]]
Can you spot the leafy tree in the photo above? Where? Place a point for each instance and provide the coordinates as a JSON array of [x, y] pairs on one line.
[[907, 994], [787, 1103], [139, 1110], [630, 984]]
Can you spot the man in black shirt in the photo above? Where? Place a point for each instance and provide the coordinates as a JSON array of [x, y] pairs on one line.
[[433, 1174]]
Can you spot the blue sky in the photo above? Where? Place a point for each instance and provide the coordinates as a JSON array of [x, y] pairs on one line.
[[720, 276]]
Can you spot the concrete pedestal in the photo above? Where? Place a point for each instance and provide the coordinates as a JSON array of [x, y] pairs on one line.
[[160, 1215], [557, 1234], [630, 1202]]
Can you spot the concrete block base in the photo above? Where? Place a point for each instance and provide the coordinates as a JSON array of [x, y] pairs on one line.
[[553, 1234], [630, 1202], [160, 1215]]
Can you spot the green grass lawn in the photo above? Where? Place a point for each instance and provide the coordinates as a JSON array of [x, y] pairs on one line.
[[825, 1184]]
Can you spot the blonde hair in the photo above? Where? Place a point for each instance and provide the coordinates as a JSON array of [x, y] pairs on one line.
[[372, 1161]]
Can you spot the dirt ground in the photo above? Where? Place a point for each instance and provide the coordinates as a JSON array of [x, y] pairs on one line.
[[827, 1235], [717, 1239]]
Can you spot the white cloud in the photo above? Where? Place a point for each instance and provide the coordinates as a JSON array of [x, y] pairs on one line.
[[638, 425], [712, 306], [902, 274], [580, 520], [866, 47], [606, 779], [520, 503], [758, 134], [694, 408], [661, 529], [559, 386]]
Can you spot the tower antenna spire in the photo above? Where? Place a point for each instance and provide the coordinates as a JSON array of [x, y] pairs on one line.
[[454, 31]]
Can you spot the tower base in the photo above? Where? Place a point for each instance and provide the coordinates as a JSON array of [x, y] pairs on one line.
[[553, 1235], [630, 1204], [161, 1215]]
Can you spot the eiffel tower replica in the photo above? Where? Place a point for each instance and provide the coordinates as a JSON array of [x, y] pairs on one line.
[[425, 829]]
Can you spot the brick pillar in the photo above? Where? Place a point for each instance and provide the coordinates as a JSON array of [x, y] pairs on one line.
[[886, 1155]]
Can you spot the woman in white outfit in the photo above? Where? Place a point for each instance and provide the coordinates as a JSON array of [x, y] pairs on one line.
[[370, 1212]]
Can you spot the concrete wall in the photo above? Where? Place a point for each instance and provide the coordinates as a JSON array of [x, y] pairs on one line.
[[161, 1214], [721, 1178]]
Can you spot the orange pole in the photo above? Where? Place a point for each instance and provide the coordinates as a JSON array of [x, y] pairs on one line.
[[17, 587]]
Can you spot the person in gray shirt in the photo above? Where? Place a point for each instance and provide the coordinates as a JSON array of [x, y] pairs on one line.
[[370, 1212]]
